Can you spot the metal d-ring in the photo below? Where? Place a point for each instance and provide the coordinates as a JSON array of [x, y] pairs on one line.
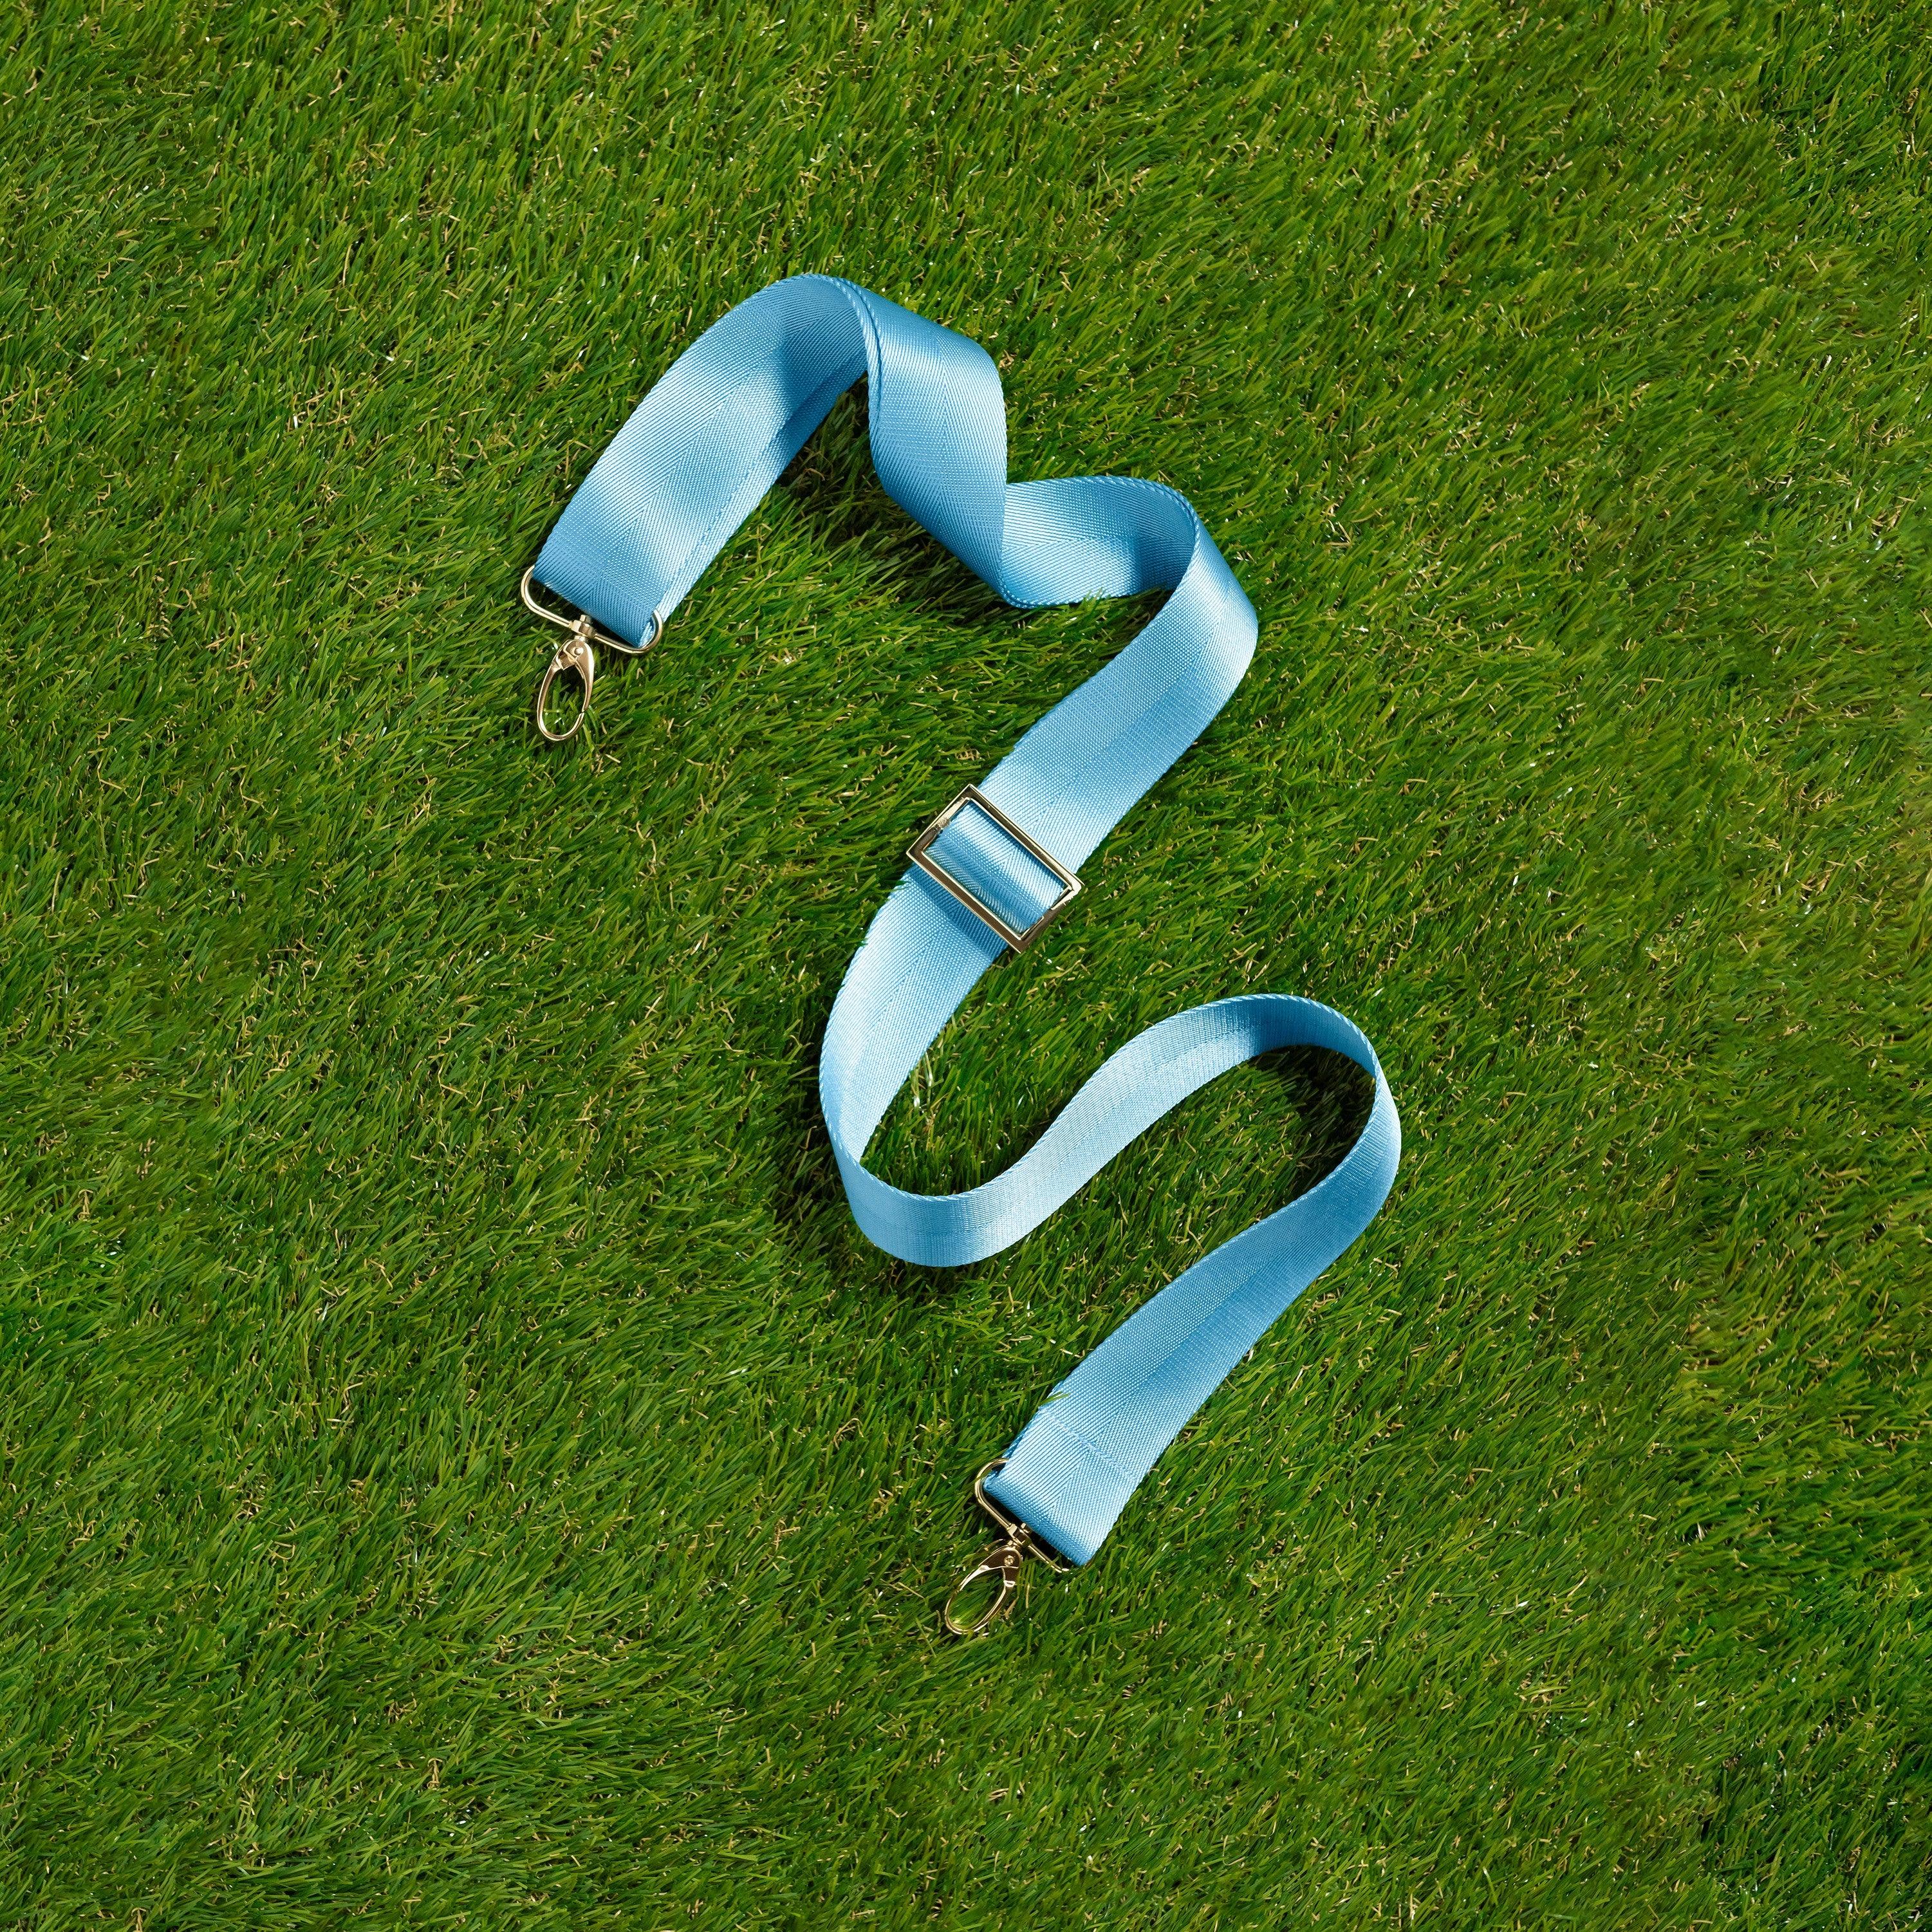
[[574, 654]]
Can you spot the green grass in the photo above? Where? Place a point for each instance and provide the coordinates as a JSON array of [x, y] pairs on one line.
[[461, 1466]]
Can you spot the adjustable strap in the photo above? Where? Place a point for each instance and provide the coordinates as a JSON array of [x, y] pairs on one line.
[[1003, 859]]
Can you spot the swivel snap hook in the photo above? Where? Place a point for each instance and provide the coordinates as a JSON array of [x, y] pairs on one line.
[[1003, 1561], [574, 654]]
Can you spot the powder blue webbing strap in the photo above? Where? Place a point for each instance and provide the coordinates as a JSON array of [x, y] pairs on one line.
[[683, 472]]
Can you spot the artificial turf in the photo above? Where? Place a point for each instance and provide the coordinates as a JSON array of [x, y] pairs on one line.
[[461, 1465]]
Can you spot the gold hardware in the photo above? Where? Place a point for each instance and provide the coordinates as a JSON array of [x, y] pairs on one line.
[[1003, 1560], [1019, 938], [574, 654]]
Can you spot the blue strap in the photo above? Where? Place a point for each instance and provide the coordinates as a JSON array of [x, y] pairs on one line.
[[684, 471]]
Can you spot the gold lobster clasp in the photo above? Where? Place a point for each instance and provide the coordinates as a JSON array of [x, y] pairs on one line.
[[574, 655], [1002, 1562]]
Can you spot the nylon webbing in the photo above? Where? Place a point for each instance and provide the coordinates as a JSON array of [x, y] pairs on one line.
[[700, 450]]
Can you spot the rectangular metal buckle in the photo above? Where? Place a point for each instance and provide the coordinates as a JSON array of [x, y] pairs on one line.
[[1018, 939]]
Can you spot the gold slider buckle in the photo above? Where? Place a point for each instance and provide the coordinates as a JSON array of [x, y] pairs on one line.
[[1003, 1561], [574, 654], [1018, 937]]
